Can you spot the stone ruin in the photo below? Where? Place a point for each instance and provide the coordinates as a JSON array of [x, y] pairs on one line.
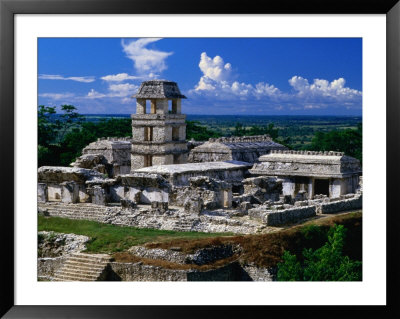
[[237, 184], [111, 156], [244, 148]]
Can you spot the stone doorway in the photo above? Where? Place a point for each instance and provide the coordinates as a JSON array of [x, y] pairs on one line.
[[321, 187]]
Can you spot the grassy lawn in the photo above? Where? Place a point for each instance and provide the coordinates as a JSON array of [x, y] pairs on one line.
[[107, 238]]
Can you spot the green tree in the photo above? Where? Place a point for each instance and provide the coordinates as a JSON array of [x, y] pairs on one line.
[[348, 141], [199, 132], [45, 126], [324, 264]]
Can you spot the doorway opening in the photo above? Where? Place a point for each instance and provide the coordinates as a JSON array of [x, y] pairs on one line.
[[321, 187]]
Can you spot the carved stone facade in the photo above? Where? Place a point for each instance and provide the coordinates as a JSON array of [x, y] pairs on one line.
[[158, 127], [244, 148], [306, 173]]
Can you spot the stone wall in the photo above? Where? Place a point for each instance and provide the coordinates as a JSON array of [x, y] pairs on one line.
[[278, 217], [47, 266], [339, 206], [141, 272]]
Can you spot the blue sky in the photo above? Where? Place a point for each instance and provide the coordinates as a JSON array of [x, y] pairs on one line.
[[253, 76]]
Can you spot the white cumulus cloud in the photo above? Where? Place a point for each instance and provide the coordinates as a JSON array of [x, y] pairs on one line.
[[215, 69], [320, 88], [122, 90], [145, 60], [95, 95], [120, 77], [85, 79], [217, 81], [56, 96]]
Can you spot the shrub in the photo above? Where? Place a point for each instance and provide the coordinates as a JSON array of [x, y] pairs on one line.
[[324, 264]]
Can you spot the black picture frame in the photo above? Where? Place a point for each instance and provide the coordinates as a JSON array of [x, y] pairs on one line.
[[8, 8]]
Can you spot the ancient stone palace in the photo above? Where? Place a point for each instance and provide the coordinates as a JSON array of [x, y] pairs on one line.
[[238, 184]]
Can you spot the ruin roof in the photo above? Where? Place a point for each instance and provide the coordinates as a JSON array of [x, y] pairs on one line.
[[109, 143], [193, 167], [238, 143], [307, 163], [159, 89]]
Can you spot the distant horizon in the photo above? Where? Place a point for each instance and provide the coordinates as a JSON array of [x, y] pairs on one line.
[[243, 115]]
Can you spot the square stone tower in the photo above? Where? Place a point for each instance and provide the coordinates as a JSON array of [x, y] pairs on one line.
[[158, 127]]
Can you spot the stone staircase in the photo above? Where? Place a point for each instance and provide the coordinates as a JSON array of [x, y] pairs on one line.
[[75, 211], [83, 267], [183, 225]]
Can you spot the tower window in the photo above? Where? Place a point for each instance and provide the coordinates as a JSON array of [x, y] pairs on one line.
[[148, 160], [148, 133], [175, 133]]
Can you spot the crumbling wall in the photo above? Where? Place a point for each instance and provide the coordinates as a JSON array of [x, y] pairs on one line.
[[202, 193]]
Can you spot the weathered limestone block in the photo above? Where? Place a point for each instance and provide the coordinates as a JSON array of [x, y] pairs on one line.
[[163, 206], [117, 192], [137, 133], [137, 161], [149, 195], [134, 194], [54, 192], [99, 195], [193, 205], [140, 106], [166, 159], [89, 161], [288, 215], [84, 197], [69, 192], [42, 192], [338, 206], [58, 174], [245, 206], [126, 203], [159, 134]]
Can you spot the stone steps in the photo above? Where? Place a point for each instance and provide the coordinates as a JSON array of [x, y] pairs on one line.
[[75, 211], [83, 267]]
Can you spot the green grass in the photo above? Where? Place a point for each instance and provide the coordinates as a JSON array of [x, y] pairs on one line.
[[107, 238]]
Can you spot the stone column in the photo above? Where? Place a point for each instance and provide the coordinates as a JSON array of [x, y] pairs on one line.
[[176, 106], [335, 188], [99, 195], [152, 106], [69, 192], [140, 106], [162, 106], [42, 192], [311, 188], [288, 186]]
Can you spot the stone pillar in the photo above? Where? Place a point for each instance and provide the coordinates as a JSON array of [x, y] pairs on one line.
[[182, 133], [162, 106], [152, 106], [140, 106], [335, 188], [288, 187], [311, 188], [99, 195], [69, 192], [176, 106], [42, 192]]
